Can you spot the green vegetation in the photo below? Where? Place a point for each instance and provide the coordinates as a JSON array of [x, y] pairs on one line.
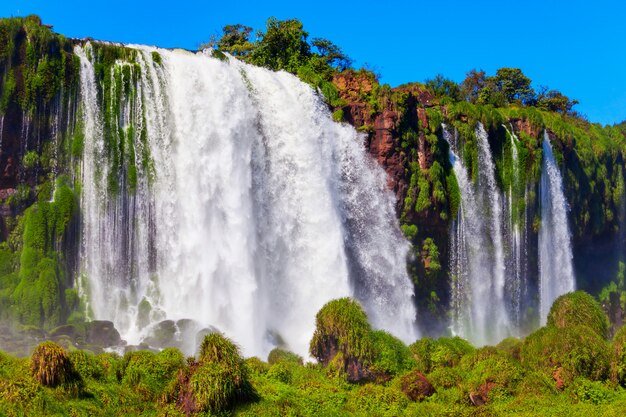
[[561, 370], [51, 366], [578, 308], [40, 75], [33, 281], [341, 326], [284, 45]]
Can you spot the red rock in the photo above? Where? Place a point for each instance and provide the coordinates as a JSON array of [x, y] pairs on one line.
[[421, 115], [416, 386], [481, 396]]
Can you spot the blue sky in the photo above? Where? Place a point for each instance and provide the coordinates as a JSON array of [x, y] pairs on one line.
[[577, 47]]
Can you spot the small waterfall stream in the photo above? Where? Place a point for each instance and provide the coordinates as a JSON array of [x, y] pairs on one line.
[[477, 264], [555, 249]]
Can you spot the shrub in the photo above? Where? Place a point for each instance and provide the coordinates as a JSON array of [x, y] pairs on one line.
[[219, 349], [149, 373], [51, 366], [216, 387], [445, 377], [578, 308], [216, 382], [87, 364], [511, 346], [281, 355], [443, 352], [392, 356], [342, 326], [491, 374], [280, 372], [619, 356], [565, 353], [256, 365]]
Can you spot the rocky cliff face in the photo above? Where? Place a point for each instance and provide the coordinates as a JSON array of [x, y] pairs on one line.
[[403, 131], [396, 125]]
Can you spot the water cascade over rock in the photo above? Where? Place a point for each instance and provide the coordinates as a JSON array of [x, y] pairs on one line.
[[232, 199], [477, 254], [555, 248], [490, 243], [516, 234]]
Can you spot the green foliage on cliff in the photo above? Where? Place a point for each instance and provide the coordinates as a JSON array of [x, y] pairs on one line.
[[34, 288], [37, 64]]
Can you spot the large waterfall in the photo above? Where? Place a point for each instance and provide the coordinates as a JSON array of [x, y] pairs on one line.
[[555, 248], [234, 201]]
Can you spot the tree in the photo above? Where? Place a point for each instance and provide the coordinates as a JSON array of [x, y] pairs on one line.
[[331, 54], [283, 46], [553, 100], [473, 84], [514, 85], [444, 87], [235, 40]]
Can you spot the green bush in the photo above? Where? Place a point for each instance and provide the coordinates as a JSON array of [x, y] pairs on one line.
[[491, 372], [511, 346], [87, 364], [445, 377], [149, 373], [619, 356], [281, 355], [430, 354], [593, 392], [572, 351], [392, 355], [215, 387], [341, 326], [280, 371], [218, 381], [578, 308], [256, 366], [50, 365]]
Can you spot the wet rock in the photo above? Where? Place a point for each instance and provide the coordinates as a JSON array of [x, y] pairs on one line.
[[162, 334], [102, 333]]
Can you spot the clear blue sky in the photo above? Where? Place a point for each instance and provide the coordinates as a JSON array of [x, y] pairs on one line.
[[577, 47]]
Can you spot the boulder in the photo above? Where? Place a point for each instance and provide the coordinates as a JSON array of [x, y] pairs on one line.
[[416, 386]]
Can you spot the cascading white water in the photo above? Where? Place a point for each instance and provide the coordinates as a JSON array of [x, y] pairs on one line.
[[477, 255], [251, 208], [556, 273], [516, 236]]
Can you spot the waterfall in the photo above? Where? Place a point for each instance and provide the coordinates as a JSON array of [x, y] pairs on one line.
[[556, 273], [516, 234], [477, 261], [239, 204]]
